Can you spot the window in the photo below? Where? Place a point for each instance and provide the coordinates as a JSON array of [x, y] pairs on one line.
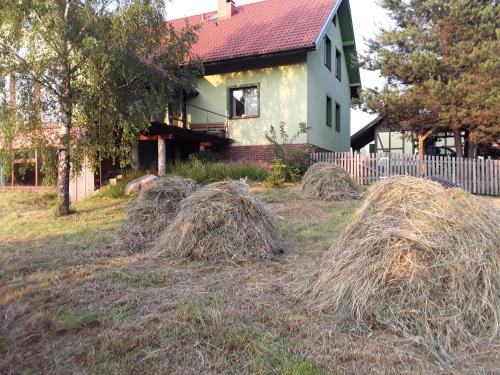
[[328, 53], [329, 117], [244, 102], [338, 65], [393, 142], [337, 117], [334, 21]]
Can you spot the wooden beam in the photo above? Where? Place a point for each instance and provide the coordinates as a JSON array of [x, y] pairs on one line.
[[156, 137], [150, 137], [24, 161], [162, 157]]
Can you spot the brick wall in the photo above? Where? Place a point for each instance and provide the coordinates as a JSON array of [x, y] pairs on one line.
[[260, 154]]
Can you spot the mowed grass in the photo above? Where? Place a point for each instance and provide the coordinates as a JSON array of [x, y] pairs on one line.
[[70, 302]]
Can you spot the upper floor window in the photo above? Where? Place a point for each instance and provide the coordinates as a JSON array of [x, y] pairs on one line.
[[244, 102], [334, 21], [328, 53], [337, 117], [338, 65], [329, 117]]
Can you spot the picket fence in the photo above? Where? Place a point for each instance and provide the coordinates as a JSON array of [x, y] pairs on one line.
[[477, 176]]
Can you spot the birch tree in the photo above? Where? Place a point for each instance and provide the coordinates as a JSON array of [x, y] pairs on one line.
[[101, 64]]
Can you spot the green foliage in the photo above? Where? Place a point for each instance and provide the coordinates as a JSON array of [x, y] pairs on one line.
[[49, 165], [292, 163], [212, 172], [106, 65], [441, 64], [118, 190], [206, 156], [7, 133], [276, 177]]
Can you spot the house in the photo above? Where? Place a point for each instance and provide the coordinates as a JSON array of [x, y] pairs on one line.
[[382, 136], [267, 62]]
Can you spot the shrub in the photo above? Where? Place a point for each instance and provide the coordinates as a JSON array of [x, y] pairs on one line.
[[206, 156], [293, 162], [118, 190], [277, 175], [212, 172]]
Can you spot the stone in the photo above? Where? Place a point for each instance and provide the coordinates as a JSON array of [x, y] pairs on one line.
[[140, 184]]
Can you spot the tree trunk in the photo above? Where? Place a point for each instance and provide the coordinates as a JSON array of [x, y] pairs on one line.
[[422, 136], [64, 162], [37, 103], [12, 91], [457, 133], [471, 148]]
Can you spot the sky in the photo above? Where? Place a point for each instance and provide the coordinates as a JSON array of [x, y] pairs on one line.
[[367, 17]]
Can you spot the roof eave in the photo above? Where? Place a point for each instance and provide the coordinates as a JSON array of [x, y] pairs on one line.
[[327, 21], [286, 52]]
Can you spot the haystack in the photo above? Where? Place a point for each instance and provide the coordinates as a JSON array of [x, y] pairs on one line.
[[328, 182], [221, 222], [152, 211], [419, 259]]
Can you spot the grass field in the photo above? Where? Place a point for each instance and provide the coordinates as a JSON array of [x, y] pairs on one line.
[[72, 303]]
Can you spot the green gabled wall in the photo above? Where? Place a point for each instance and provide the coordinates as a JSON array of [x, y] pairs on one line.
[[290, 92], [322, 82], [282, 93]]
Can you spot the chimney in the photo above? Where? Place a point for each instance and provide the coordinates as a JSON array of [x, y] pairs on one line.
[[226, 9]]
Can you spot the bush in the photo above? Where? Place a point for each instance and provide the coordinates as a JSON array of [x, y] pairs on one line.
[[118, 190], [292, 162], [205, 156], [277, 175], [212, 172]]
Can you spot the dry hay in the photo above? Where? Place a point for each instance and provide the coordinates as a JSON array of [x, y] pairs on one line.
[[420, 260], [221, 222], [329, 182], [152, 211]]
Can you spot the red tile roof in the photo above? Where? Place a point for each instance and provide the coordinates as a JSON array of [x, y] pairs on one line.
[[266, 27]]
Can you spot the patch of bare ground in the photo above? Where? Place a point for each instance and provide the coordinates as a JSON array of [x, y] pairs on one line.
[[115, 313]]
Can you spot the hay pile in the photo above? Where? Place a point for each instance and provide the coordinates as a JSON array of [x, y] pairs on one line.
[[328, 182], [421, 260], [221, 222], [152, 211]]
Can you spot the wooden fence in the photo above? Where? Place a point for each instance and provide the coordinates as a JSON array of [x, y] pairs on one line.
[[477, 176]]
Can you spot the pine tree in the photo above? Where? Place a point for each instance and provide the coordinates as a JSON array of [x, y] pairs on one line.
[[442, 65]]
